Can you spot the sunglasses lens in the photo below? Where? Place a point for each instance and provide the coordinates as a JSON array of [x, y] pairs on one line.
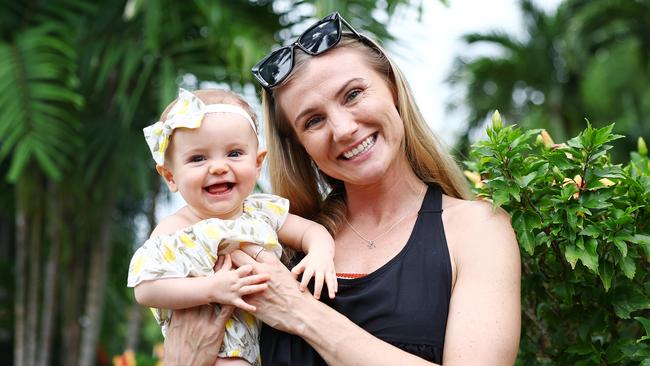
[[276, 67], [320, 38]]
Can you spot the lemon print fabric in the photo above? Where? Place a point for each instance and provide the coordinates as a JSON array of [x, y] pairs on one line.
[[193, 251]]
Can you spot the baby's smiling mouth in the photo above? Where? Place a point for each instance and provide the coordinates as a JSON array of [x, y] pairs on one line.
[[219, 188]]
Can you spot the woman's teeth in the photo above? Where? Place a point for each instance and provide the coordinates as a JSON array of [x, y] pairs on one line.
[[362, 147]]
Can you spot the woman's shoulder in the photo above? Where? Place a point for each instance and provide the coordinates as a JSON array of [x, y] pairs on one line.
[[476, 226], [473, 210]]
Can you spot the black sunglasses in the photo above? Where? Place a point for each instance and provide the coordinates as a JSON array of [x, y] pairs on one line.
[[320, 37]]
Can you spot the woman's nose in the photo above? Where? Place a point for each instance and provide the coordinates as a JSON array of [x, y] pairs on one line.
[[343, 126]]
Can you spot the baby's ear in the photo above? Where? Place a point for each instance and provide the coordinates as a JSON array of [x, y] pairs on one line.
[[261, 154], [168, 176]]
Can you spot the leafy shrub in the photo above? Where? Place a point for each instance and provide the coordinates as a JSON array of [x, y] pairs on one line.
[[582, 224]]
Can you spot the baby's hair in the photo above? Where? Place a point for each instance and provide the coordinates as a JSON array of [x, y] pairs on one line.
[[217, 96], [214, 96]]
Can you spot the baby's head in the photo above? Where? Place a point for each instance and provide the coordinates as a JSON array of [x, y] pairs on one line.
[[206, 148]]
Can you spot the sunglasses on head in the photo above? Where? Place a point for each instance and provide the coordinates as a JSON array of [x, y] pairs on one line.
[[320, 37]]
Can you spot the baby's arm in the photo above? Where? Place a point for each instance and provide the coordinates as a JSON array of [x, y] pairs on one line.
[[313, 239], [225, 286]]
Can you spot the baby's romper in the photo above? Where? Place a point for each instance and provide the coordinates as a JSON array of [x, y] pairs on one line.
[[193, 251]]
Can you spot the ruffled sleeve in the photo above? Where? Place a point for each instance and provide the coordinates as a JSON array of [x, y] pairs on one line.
[[270, 208], [172, 256]]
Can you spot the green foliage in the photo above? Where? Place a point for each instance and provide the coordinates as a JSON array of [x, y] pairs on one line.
[[582, 224], [584, 59]]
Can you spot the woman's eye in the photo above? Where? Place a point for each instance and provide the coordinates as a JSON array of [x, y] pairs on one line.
[[352, 95], [196, 158], [312, 122]]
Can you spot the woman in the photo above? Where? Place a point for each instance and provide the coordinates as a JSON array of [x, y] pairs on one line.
[[425, 276]]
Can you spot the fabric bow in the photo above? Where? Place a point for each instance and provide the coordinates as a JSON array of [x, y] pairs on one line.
[[188, 112]]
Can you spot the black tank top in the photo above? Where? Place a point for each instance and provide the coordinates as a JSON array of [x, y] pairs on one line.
[[405, 302]]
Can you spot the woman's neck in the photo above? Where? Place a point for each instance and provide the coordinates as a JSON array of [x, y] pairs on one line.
[[386, 199]]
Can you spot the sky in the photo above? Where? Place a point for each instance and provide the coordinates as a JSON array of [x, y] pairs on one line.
[[425, 50]]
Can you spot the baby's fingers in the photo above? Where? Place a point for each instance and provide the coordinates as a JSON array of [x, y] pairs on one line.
[[243, 270], [254, 279], [306, 276], [251, 289], [240, 303], [332, 284], [298, 269], [318, 284]]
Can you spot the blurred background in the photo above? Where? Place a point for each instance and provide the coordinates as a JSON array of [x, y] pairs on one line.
[[80, 79]]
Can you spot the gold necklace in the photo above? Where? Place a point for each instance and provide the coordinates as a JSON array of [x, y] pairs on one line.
[[371, 242]]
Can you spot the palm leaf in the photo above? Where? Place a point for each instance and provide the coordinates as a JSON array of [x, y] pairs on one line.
[[38, 101]]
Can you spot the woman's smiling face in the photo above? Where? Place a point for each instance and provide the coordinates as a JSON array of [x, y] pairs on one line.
[[343, 112]]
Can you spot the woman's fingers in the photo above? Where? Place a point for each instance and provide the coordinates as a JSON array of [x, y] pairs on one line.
[[227, 262], [219, 263]]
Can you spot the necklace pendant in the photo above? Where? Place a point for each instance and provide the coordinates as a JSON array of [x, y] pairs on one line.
[[371, 244]]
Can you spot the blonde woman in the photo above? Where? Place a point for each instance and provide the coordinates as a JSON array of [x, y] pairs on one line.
[[426, 276]]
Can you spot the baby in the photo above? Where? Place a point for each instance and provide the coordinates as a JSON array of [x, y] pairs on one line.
[[214, 161]]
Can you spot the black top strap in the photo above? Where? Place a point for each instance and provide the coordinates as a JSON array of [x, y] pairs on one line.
[[432, 200]]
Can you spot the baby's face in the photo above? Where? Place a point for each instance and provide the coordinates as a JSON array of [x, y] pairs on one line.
[[215, 166]]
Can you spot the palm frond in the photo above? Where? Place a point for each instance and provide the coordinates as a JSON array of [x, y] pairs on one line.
[[38, 101]]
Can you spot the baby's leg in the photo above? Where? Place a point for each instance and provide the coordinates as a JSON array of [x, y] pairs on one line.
[[231, 361]]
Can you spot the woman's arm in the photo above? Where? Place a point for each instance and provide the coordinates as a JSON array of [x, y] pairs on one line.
[[483, 324], [337, 339], [187, 326], [484, 320]]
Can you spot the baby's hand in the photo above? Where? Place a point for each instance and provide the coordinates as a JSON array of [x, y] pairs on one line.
[[228, 286], [320, 265]]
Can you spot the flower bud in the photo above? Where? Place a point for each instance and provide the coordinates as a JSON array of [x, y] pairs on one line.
[[642, 147], [497, 123], [474, 178], [546, 138]]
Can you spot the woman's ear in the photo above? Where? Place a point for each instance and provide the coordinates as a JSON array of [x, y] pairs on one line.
[[168, 176]]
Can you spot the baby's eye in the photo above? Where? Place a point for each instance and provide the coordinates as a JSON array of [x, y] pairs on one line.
[[235, 154], [196, 158], [312, 122], [352, 95]]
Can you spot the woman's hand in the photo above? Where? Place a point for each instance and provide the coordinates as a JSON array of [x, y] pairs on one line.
[[194, 335], [277, 304]]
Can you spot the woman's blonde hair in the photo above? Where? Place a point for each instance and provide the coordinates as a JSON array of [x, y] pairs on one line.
[[315, 195]]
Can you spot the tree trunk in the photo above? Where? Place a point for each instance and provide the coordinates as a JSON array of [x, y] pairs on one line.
[[136, 311], [75, 272], [35, 243], [135, 323], [50, 282], [19, 304], [95, 294]]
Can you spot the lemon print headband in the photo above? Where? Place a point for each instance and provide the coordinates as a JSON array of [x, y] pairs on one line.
[[188, 112]]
